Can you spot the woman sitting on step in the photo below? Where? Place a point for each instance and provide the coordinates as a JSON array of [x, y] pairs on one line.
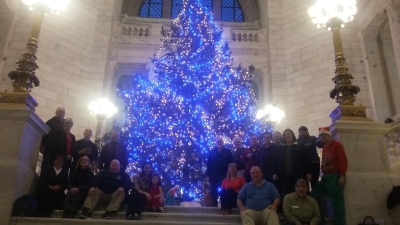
[[52, 184], [78, 187], [139, 195], [230, 188]]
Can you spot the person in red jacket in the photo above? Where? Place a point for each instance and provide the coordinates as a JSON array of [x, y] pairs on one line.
[[334, 167], [230, 188]]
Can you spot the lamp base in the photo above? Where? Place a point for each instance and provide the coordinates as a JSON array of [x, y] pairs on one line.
[[349, 112], [18, 100]]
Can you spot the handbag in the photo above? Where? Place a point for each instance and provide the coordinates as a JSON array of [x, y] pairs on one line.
[[370, 219]]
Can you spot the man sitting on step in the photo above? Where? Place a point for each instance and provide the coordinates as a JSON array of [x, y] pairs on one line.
[[258, 200], [111, 184], [299, 208]]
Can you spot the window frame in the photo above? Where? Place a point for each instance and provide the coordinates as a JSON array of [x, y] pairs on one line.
[[234, 8], [150, 3]]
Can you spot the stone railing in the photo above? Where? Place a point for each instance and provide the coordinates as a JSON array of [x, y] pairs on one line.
[[393, 145], [131, 30], [245, 35]]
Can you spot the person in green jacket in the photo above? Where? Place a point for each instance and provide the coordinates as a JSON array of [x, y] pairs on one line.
[[299, 208]]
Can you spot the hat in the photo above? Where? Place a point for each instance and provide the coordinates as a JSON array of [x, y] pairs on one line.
[[303, 128], [325, 130]]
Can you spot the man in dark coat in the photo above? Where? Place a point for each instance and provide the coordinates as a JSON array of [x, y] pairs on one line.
[[84, 147], [56, 124], [310, 144], [238, 151], [267, 158], [60, 143], [113, 150], [250, 156], [109, 183], [217, 167]]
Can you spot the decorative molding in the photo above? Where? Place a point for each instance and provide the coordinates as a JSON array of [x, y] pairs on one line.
[[18, 100], [136, 47], [245, 35], [134, 30], [349, 112], [155, 48]]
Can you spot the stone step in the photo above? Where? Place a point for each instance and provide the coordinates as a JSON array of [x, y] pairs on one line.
[[180, 209], [58, 221], [169, 216], [196, 210], [173, 215]]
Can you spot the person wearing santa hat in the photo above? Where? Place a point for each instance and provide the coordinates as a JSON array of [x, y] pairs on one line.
[[333, 167]]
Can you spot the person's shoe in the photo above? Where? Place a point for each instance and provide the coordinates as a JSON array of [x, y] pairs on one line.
[[136, 216], [86, 214], [128, 216], [154, 209], [65, 214], [160, 209], [72, 215], [107, 216]]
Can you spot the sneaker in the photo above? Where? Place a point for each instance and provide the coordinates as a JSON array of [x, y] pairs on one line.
[[107, 216], [86, 214], [160, 209], [136, 216]]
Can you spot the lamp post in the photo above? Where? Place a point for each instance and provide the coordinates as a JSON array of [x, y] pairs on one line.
[[101, 109], [333, 15], [24, 78], [270, 115]]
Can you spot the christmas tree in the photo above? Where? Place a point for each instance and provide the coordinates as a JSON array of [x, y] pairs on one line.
[[192, 96]]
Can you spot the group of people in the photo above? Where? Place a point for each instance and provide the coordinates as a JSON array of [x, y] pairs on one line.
[[67, 180], [282, 167], [254, 179]]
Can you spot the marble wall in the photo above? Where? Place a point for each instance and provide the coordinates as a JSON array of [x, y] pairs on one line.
[[72, 57], [20, 134]]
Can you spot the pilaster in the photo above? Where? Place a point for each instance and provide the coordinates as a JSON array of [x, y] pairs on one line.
[[368, 178], [21, 131], [394, 24]]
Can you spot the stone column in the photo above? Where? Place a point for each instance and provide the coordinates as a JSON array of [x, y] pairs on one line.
[[21, 131], [394, 24], [369, 179]]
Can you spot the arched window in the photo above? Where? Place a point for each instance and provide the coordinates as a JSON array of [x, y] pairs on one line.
[[231, 11], [151, 8], [177, 6]]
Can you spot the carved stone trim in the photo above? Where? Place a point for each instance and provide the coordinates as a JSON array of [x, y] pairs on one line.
[[136, 47], [155, 48], [135, 30], [18, 100], [245, 35], [349, 112]]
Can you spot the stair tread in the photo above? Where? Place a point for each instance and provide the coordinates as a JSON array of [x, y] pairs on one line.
[[60, 221]]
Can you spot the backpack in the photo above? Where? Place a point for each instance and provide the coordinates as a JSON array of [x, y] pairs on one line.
[[25, 206]]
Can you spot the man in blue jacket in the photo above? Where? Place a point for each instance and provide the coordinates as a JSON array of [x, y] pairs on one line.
[[108, 183]]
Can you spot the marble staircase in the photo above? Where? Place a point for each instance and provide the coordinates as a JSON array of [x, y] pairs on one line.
[[174, 215]]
